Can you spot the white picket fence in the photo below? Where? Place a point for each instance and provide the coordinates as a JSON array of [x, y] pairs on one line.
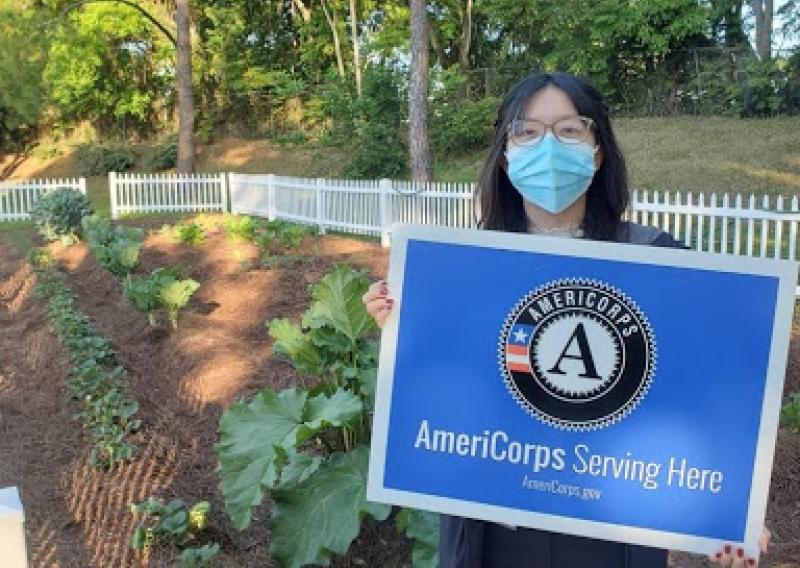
[[355, 206], [17, 197], [765, 227], [729, 224], [133, 193]]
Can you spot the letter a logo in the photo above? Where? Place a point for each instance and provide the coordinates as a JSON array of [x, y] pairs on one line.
[[584, 354]]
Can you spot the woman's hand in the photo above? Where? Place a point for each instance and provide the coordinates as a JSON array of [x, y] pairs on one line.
[[377, 301], [734, 557]]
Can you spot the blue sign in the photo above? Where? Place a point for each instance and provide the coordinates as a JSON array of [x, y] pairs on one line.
[[613, 391]]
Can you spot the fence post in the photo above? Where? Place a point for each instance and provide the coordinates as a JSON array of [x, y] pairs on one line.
[[82, 185], [385, 186], [224, 191], [271, 208], [112, 188], [321, 205]]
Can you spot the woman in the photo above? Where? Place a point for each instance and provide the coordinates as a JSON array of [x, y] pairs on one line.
[[554, 168]]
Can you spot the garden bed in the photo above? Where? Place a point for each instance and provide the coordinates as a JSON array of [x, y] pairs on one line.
[[183, 379]]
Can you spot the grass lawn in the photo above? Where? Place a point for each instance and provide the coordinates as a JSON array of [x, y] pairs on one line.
[[706, 154], [19, 234]]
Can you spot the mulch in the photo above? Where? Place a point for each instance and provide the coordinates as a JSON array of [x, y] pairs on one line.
[[183, 380]]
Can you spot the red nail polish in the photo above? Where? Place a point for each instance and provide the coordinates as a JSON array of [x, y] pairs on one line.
[[727, 549], [718, 555], [751, 562], [740, 552]]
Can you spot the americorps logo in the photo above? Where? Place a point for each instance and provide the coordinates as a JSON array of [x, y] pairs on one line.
[[577, 354]]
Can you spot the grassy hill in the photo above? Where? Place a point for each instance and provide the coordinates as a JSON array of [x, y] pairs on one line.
[[677, 153]]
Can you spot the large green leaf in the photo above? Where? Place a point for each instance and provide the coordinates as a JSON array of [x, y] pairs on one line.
[[291, 341], [249, 433], [322, 412], [256, 437], [177, 293], [322, 515], [298, 468], [337, 303], [423, 528]]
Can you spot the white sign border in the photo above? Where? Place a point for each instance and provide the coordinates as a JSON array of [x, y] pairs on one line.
[[784, 270]]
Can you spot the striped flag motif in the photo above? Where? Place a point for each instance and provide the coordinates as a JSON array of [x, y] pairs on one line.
[[517, 345]]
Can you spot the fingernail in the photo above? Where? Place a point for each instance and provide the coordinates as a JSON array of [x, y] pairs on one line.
[[718, 555], [740, 552], [751, 562], [727, 549], [389, 301]]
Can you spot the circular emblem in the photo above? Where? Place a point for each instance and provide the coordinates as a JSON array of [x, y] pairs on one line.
[[577, 354]]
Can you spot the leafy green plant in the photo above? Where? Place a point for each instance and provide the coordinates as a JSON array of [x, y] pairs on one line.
[[423, 528], [40, 258], [108, 415], [116, 248], [57, 215], [198, 557], [241, 227], [790, 414], [188, 233], [170, 523], [162, 289], [276, 239], [310, 449], [175, 295]]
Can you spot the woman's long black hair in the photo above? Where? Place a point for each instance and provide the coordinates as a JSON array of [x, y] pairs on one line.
[[501, 205]]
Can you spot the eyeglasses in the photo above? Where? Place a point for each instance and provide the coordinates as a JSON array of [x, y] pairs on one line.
[[529, 132]]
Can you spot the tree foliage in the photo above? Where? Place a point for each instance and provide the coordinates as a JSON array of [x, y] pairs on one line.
[[285, 67]]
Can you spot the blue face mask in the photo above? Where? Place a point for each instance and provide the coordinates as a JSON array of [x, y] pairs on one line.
[[551, 175]]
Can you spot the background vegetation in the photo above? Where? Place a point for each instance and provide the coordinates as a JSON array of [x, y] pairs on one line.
[[331, 77]]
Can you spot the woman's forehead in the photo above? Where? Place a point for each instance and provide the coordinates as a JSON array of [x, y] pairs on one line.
[[549, 105]]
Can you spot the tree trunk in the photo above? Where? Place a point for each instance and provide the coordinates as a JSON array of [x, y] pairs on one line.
[[354, 34], [337, 46], [421, 169], [183, 73], [466, 37], [763, 12]]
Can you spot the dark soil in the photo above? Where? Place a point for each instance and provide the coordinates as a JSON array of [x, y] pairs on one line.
[[79, 516]]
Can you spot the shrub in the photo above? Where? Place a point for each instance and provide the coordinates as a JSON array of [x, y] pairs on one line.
[[164, 156], [379, 132], [57, 215], [99, 160], [464, 125]]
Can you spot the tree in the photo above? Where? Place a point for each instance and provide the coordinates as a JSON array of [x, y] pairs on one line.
[[183, 75], [354, 35], [22, 54], [419, 150], [763, 11], [107, 64]]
